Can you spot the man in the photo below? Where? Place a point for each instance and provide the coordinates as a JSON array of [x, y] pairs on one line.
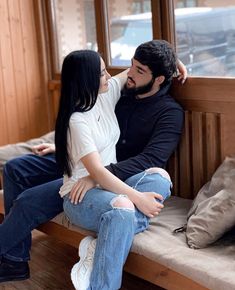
[[150, 123]]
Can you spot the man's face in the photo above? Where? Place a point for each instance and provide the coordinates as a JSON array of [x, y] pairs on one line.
[[140, 78]]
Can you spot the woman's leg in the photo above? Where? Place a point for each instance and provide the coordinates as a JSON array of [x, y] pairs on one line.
[[153, 179], [115, 221], [112, 217]]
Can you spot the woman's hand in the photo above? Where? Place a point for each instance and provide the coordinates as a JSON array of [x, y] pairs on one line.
[[147, 203], [43, 149], [182, 75], [80, 188]]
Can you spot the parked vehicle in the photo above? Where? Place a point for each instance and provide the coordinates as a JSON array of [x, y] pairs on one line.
[[205, 39]]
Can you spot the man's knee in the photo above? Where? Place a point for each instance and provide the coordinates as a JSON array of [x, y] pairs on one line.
[[10, 167], [122, 202], [13, 168]]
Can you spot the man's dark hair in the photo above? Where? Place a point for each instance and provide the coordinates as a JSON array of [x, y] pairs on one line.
[[159, 56]]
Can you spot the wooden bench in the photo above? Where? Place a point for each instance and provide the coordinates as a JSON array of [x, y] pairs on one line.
[[208, 137]]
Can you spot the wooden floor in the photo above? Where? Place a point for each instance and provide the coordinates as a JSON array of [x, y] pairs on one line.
[[50, 266]]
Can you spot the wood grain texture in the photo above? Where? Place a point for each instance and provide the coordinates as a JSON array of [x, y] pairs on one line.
[[209, 133], [24, 106]]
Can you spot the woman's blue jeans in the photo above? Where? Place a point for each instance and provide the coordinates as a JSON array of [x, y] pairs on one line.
[[115, 226]]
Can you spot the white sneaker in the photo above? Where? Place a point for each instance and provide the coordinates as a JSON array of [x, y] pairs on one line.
[[81, 271]]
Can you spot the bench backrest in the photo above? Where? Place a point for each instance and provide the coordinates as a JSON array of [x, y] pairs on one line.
[[209, 131]]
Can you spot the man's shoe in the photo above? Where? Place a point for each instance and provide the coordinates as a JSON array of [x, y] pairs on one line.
[[81, 271], [13, 271]]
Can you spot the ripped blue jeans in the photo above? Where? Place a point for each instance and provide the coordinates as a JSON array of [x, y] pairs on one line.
[[115, 226]]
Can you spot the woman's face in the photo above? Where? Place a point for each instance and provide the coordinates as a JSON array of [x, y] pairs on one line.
[[104, 77]]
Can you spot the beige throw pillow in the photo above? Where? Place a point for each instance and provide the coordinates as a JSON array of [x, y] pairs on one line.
[[213, 210]]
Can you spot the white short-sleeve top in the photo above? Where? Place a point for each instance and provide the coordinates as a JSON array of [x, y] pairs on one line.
[[94, 130]]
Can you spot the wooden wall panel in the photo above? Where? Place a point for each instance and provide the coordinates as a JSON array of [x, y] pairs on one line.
[[24, 103], [208, 132], [8, 84], [184, 168], [4, 134], [20, 83], [3, 116]]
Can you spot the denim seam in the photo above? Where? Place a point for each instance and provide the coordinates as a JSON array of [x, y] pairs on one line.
[[140, 180], [102, 259]]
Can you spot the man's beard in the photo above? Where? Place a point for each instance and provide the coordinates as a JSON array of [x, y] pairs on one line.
[[139, 90]]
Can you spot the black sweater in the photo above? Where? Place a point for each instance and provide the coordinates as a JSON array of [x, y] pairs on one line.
[[150, 131]]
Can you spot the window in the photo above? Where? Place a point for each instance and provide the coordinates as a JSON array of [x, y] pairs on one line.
[[204, 31], [74, 27], [129, 25], [185, 3], [205, 38]]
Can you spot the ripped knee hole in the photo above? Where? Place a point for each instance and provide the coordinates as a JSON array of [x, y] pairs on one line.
[[159, 170], [122, 201]]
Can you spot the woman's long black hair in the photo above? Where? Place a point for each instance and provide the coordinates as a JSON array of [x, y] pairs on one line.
[[80, 81]]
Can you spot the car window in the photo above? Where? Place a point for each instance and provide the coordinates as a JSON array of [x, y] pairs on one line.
[[127, 33], [205, 40]]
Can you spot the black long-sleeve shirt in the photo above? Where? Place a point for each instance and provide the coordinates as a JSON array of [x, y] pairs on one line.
[[150, 131]]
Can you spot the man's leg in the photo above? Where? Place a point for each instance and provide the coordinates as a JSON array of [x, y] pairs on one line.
[[31, 208], [19, 175], [25, 209], [25, 172]]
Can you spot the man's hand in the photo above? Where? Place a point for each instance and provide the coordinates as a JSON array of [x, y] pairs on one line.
[[148, 205], [80, 189], [182, 74], [43, 149]]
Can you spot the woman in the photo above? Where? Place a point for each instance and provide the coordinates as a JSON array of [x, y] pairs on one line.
[[86, 134]]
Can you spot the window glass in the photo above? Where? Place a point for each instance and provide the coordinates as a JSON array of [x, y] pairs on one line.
[[74, 23], [130, 23], [186, 3], [205, 37]]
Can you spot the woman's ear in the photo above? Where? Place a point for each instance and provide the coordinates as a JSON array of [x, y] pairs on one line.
[[160, 80]]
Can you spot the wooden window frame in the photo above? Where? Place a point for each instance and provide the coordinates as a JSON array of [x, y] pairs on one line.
[[163, 25], [160, 30], [102, 29]]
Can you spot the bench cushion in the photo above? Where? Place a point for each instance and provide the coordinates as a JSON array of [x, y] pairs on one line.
[[212, 267]]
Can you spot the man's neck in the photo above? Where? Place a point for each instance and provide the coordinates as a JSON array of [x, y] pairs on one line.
[[149, 94]]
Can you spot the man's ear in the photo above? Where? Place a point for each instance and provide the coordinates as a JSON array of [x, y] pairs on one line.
[[160, 80]]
